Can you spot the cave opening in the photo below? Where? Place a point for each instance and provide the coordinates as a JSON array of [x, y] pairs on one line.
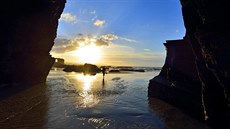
[[125, 38], [127, 33]]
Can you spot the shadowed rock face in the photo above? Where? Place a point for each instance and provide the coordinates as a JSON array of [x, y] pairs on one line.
[[207, 25], [178, 82], [207, 31], [28, 30]]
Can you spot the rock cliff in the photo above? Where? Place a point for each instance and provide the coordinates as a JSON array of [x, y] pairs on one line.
[[207, 32], [28, 30], [178, 81]]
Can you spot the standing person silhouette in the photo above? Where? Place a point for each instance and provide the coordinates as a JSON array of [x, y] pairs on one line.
[[103, 71]]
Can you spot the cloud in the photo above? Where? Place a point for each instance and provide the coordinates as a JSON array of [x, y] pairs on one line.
[[83, 11], [147, 50], [65, 45], [128, 40], [99, 23], [101, 42], [109, 37], [93, 12], [94, 18], [68, 17], [113, 54], [68, 45]]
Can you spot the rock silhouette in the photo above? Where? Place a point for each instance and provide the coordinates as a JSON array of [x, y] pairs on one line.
[[207, 33], [86, 69], [27, 36]]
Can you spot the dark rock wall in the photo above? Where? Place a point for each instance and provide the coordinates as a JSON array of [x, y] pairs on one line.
[[178, 82], [28, 30], [207, 25], [181, 58]]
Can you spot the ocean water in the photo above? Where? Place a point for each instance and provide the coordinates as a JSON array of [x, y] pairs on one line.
[[77, 101], [83, 101]]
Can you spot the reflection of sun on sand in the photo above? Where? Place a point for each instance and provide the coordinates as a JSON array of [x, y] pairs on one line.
[[89, 54], [89, 100]]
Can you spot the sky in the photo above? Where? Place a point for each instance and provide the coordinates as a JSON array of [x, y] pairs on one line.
[[117, 32]]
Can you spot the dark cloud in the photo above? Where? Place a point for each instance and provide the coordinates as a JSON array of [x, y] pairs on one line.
[[66, 45], [101, 42], [80, 34], [60, 42]]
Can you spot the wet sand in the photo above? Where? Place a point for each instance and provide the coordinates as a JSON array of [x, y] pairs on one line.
[[75, 101]]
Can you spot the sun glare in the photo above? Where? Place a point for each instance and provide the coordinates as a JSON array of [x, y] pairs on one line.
[[89, 54], [89, 100]]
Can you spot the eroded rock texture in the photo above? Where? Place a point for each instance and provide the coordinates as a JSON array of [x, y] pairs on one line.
[[178, 82], [28, 30], [207, 25]]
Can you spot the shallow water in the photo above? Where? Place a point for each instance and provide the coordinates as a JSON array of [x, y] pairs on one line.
[[73, 100], [120, 100]]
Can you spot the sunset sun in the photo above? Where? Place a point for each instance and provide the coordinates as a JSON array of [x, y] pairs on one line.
[[89, 54]]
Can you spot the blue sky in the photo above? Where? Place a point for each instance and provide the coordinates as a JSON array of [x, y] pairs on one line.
[[138, 29]]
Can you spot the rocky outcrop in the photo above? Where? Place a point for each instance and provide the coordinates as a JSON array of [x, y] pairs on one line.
[[59, 63], [87, 69], [28, 30], [207, 31], [178, 81], [207, 26]]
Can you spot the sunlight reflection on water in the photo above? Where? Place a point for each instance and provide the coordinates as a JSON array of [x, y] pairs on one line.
[[89, 100], [75, 101], [118, 100]]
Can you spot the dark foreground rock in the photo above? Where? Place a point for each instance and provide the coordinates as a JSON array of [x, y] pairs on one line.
[[86, 69], [27, 36], [59, 63], [207, 33], [178, 82]]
